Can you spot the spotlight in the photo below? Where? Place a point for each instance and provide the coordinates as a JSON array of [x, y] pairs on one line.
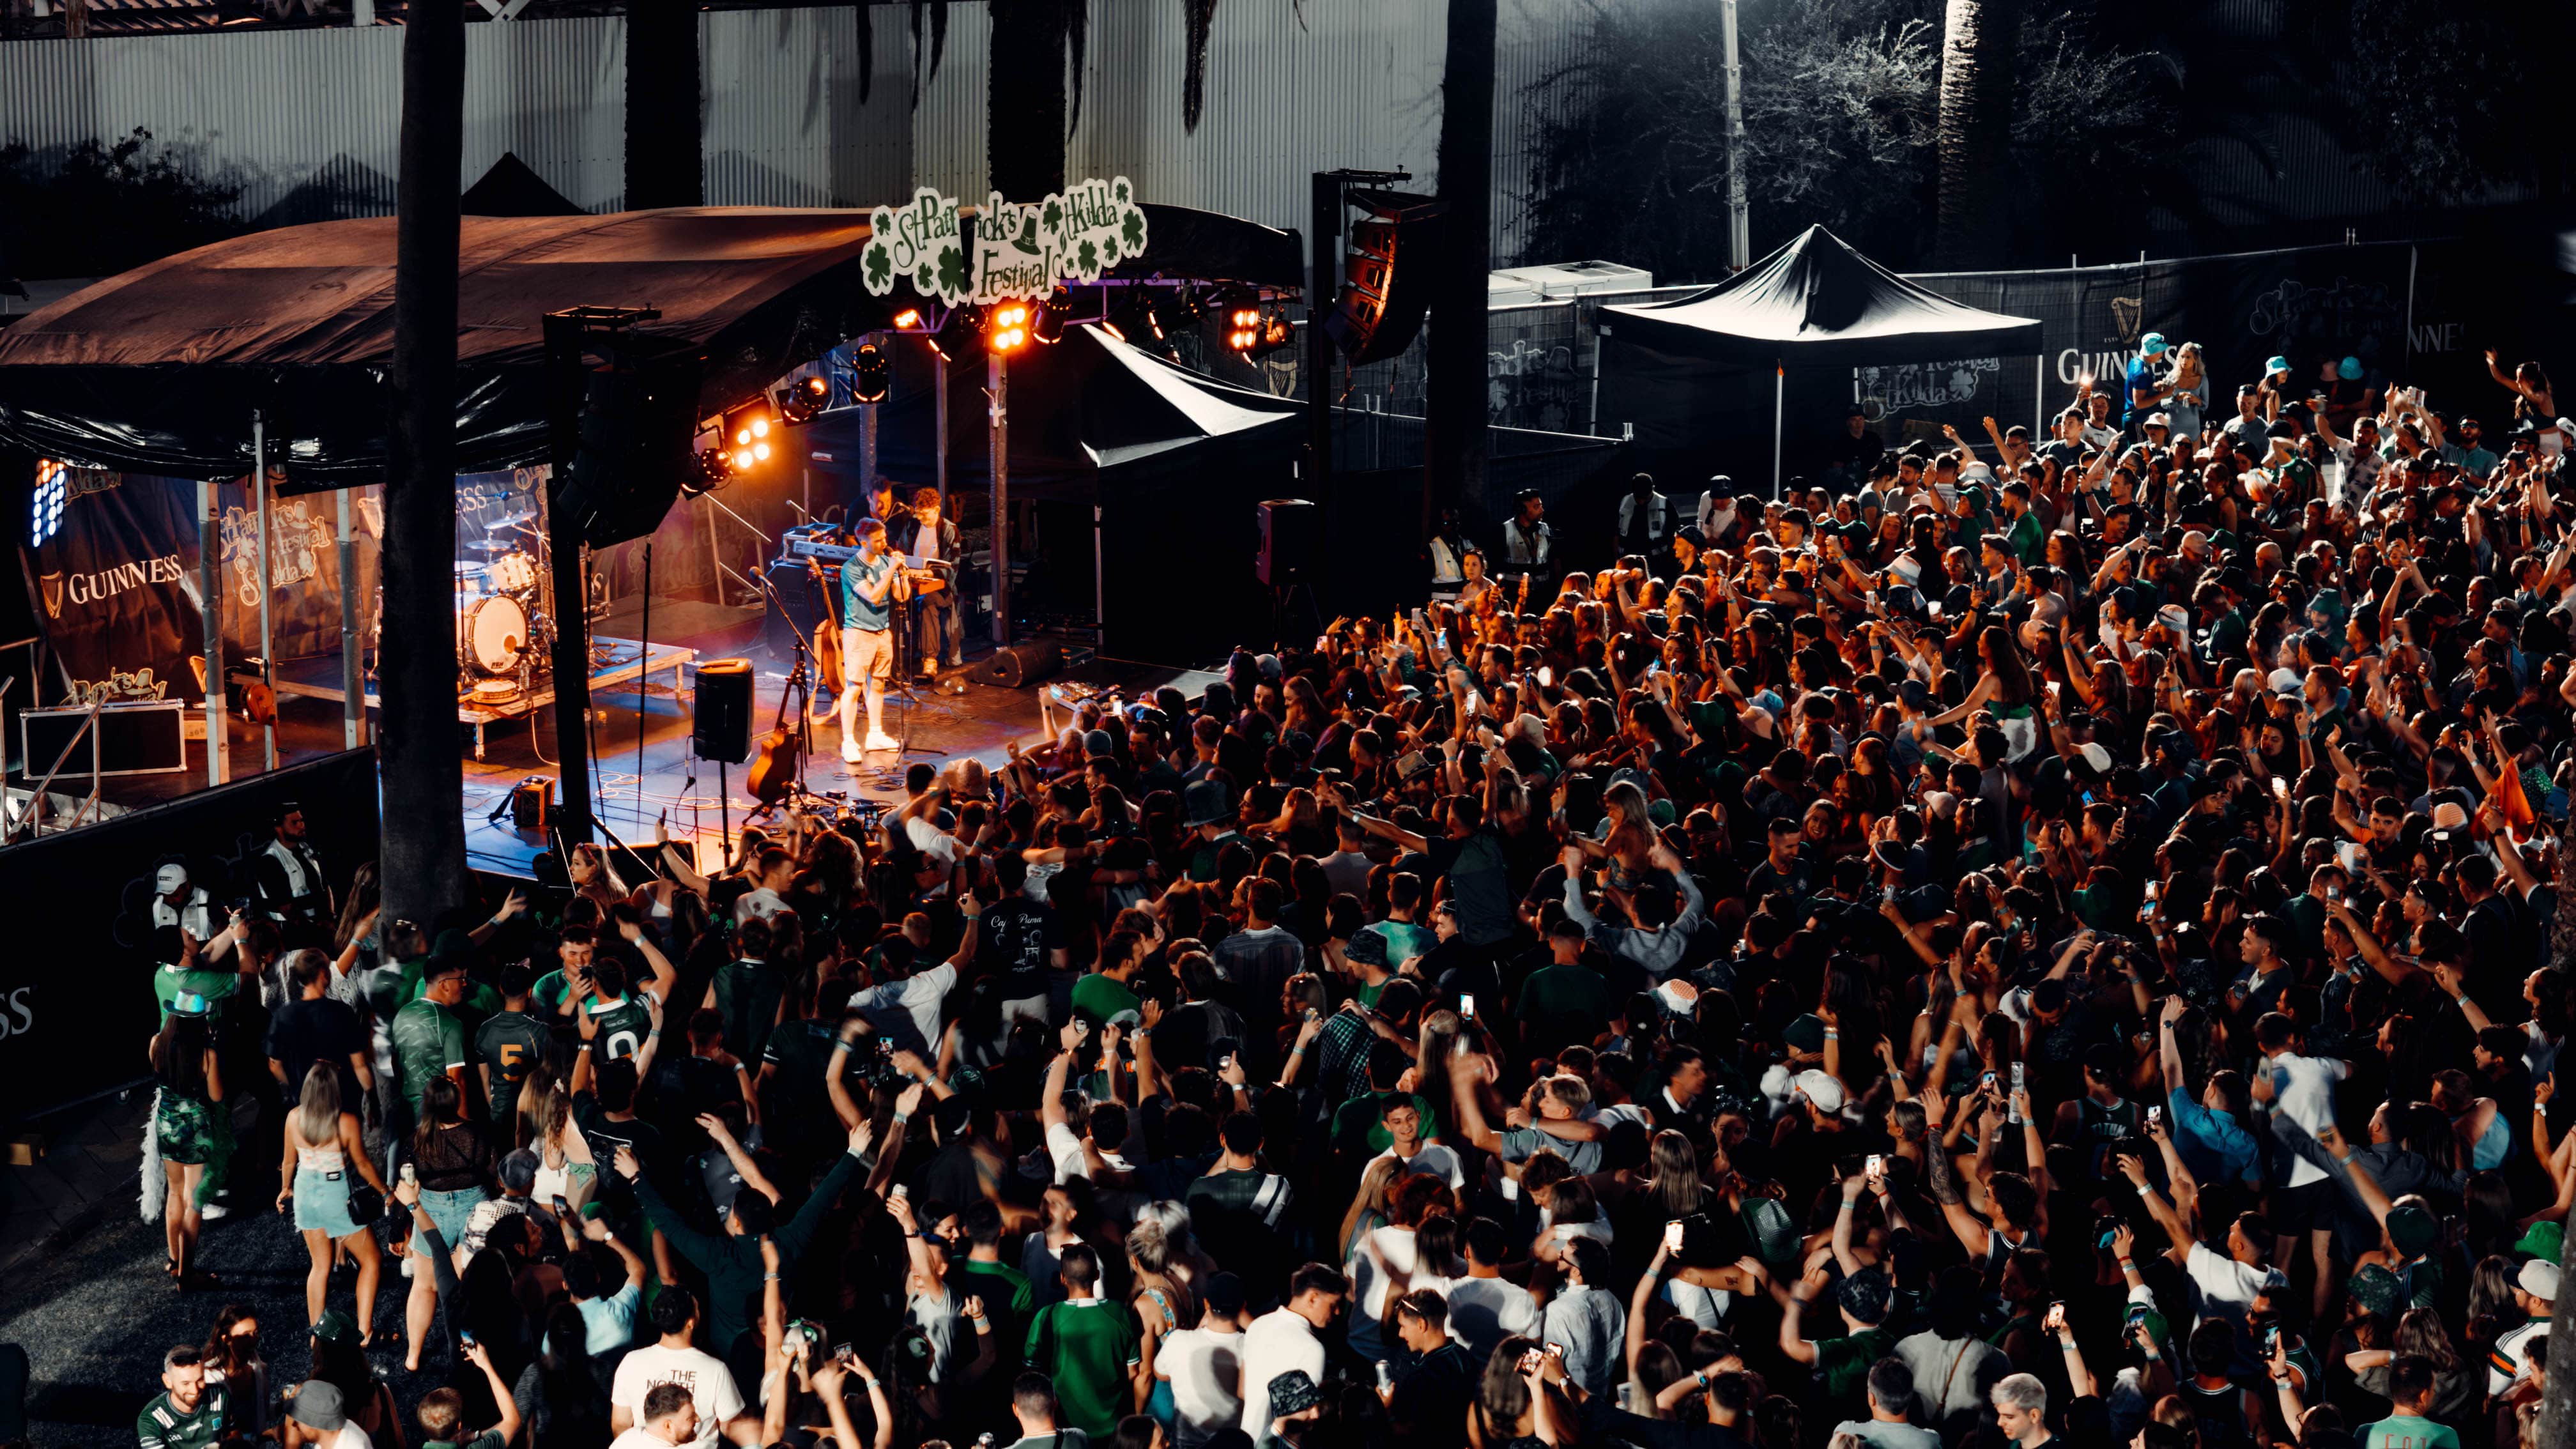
[[1242, 328], [907, 319], [745, 435], [872, 372], [803, 400], [1048, 325], [1009, 330], [715, 466]]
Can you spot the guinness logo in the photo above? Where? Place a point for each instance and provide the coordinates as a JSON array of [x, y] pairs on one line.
[[2125, 314], [53, 585]]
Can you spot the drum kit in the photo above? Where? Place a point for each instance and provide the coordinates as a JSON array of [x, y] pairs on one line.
[[504, 627]]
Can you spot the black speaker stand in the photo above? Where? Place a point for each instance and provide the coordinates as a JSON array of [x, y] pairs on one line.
[[1283, 608]]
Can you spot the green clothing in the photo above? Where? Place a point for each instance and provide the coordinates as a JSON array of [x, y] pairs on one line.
[[1358, 1124], [1203, 857], [747, 997], [2028, 541], [1103, 999], [185, 1129], [731, 1263], [1090, 1350], [428, 1041], [510, 1044], [2409, 1431], [1008, 1298], [488, 1439], [1560, 993], [622, 1026], [161, 1425], [1842, 1364], [216, 986]]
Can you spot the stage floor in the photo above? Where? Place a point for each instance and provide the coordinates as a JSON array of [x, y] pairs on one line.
[[635, 787]]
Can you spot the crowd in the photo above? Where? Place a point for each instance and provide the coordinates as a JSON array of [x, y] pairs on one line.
[[2045, 940]]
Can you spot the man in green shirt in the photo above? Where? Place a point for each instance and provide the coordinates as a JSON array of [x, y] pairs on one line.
[[1565, 1000], [2410, 1398], [615, 1020], [1842, 1364], [747, 991], [1089, 1346], [428, 1038], [1006, 1291], [190, 1413], [509, 1044], [1104, 996]]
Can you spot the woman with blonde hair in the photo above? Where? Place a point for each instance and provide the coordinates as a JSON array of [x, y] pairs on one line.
[[2190, 394], [325, 1153]]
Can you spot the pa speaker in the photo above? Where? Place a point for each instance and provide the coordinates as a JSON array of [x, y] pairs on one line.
[[636, 421], [1017, 666], [1292, 533], [1386, 275], [721, 728]]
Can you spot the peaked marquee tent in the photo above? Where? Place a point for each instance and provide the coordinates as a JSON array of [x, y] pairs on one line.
[[1815, 302]]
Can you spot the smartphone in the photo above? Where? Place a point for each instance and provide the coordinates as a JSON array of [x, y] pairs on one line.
[[1875, 1168], [2016, 1074], [2056, 1318], [2147, 912], [1467, 1005], [1225, 1062], [2281, 787], [465, 1337], [2272, 1339], [1556, 1351], [1385, 1378], [1529, 1361], [2334, 893], [845, 1353], [901, 1190], [1673, 1235], [2155, 1116], [1546, 677], [1082, 1027], [563, 1209]]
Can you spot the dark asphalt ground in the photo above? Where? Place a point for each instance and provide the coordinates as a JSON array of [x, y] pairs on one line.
[[96, 1313]]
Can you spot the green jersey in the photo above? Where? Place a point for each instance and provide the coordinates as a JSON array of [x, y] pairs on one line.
[[216, 986], [1089, 1349], [510, 1044], [2409, 1431], [1102, 999], [1007, 1296], [428, 1041], [621, 1025], [162, 1425], [747, 997]]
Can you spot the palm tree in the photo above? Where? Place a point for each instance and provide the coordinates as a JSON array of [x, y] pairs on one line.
[[1974, 226], [1035, 46], [1453, 403], [422, 765]]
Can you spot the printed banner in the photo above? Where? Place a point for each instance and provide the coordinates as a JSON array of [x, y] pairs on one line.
[[1022, 249], [303, 568], [114, 565]]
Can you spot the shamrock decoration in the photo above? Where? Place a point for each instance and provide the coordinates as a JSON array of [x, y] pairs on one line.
[[1133, 229], [952, 271], [1055, 216], [1088, 258], [879, 261], [1122, 189], [923, 281]]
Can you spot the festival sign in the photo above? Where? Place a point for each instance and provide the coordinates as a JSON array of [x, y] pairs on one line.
[[1021, 249]]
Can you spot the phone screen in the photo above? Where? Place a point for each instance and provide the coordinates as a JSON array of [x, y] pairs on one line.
[[1673, 1236], [1467, 1005]]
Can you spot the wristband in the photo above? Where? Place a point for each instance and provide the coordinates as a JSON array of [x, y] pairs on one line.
[[1831, 1034], [2145, 1191], [1850, 1203], [903, 1116], [768, 1277]]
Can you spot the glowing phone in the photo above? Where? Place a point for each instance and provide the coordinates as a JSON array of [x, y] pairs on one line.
[[1467, 1005], [1673, 1236]]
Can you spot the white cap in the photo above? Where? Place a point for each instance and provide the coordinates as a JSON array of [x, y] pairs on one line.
[[169, 877], [1826, 1092]]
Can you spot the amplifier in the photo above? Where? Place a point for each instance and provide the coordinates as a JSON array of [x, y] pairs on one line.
[[142, 738]]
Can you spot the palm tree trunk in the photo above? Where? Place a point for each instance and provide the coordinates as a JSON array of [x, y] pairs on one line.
[[1453, 403], [664, 162], [421, 761], [1975, 137], [1024, 98]]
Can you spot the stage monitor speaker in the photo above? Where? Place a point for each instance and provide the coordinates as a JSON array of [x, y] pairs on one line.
[[535, 803], [1386, 275], [635, 425], [1292, 534], [721, 729], [1017, 666], [143, 738]]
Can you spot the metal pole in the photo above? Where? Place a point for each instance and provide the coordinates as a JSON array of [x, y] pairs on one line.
[[1600, 330], [643, 672], [1779, 406], [210, 588], [267, 640], [867, 449], [2411, 254], [999, 380], [1323, 244], [1739, 226], [939, 395], [353, 674], [2039, 393], [567, 381]]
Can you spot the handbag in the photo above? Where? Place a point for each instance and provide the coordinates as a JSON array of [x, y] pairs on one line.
[[366, 1204]]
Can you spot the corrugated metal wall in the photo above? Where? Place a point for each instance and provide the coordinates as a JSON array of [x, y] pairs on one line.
[[306, 120]]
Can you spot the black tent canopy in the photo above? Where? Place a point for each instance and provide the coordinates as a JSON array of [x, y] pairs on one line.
[[1817, 302]]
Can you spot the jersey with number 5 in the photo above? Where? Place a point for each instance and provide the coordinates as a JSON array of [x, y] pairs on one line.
[[510, 1044]]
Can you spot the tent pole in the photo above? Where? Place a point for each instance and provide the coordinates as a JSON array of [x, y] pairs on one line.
[[353, 704], [939, 394], [1779, 406], [267, 640], [1000, 552], [210, 589], [2039, 391]]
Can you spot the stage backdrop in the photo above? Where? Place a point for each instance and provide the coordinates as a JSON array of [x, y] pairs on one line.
[[76, 1002], [110, 562]]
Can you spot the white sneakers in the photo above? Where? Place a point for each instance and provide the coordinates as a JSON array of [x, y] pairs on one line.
[[880, 740]]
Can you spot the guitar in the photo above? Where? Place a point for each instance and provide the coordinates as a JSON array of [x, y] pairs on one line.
[[827, 633]]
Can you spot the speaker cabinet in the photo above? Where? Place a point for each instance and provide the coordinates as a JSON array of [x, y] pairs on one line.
[[1292, 533], [1386, 275], [721, 727], [1017, 666]]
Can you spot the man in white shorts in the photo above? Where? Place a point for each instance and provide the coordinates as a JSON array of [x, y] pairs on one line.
[[872, 583]]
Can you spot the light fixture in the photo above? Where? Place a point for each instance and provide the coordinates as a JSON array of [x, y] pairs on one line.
[[1242, 328], [715, 466], [802, 401], [744, 435], [1009, 330], [907, 319], [1048, 325], [871, 372], [52, 491]]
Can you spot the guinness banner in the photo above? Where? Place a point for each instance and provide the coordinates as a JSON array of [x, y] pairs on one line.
[[114, 572], [303, 567]]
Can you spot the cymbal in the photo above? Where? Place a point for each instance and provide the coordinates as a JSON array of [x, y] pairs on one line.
[[511, 520], [465, 567], [490, 545]]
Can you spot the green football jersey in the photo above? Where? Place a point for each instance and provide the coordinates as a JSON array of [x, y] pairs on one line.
[[510, 1044], [428, 1041]]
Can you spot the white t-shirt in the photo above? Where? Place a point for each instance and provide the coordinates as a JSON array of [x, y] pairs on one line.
[[1368, 1286], [2221, 1287], [2306, 1096], [1200, 1365], [1485, 1311], [639, 1437], [709, 1382], [1437, 1161], [1276, 1342], [762, 904], [918, 994]]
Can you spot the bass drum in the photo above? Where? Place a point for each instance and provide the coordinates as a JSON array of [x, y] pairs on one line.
[[492, 633]]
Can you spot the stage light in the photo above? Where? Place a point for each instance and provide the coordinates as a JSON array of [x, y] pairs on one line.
[[1010, 327], [1242, 328], [742, 460], [744, 435], [871, 372], [1048, 325], [51, 494], [802, 401], [907, 319]]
